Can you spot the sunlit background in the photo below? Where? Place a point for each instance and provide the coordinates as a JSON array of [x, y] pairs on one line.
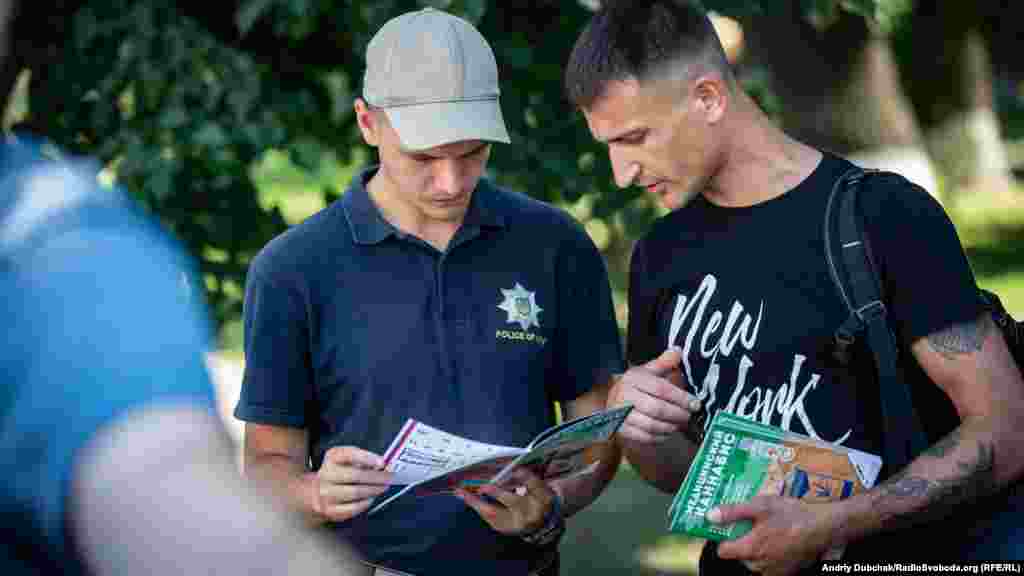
[[233, 121]]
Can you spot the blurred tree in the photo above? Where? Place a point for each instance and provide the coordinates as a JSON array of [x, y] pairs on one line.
[[829, 68], [954, 45], [892, 78], [182, 99]]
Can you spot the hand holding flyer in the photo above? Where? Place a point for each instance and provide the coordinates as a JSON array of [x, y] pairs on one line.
[[432, 461], [740, 459]]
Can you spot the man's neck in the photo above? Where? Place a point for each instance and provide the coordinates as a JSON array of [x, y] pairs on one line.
[[405, 217], [760, 162]]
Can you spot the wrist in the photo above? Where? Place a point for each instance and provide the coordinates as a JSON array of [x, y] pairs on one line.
[[847, 520], [552, 527], [306, 489]]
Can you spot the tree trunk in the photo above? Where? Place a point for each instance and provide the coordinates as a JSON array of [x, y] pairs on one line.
[[952, 93], [839, 89]]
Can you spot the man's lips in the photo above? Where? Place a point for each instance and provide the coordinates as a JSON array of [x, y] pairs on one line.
[[653, 186], [453, 201]]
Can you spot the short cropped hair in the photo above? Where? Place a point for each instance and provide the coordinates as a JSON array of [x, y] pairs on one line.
[[638, 38]]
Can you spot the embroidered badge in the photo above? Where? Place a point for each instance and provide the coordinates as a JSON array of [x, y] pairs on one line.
[[521, 306]]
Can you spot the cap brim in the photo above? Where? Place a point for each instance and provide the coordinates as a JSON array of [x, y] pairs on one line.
[[425, 126]]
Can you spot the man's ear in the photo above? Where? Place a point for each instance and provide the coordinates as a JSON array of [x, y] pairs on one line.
[[711, 97], [369, 123]]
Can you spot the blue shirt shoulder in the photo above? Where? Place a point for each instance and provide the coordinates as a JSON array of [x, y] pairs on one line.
[[103, 320]]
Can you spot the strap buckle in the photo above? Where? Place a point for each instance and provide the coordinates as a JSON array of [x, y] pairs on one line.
[[870, 311]]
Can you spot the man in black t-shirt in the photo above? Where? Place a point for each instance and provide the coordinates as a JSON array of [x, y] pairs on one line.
[[730, 297]]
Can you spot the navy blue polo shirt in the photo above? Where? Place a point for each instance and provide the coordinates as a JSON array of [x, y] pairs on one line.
[[352, 326]]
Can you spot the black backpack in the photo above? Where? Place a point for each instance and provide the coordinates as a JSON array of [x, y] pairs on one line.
[[848, 254], [854, 274]]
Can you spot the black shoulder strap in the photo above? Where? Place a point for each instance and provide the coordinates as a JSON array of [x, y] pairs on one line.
[[853, 272]]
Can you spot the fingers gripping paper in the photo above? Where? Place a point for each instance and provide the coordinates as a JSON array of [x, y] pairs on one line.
[[430, 461], [740, 459]]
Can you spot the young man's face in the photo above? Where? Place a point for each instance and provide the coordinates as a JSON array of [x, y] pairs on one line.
[[436, 183], [658, 136]]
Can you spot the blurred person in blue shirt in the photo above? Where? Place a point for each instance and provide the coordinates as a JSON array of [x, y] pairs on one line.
[[114, 458]]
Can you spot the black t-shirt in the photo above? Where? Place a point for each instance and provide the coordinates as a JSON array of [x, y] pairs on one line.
[[746, 293]]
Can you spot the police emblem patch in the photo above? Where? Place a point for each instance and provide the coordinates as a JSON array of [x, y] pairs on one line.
[[521, 306]]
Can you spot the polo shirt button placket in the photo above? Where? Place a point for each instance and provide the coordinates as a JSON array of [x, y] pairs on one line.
[[447, 362]]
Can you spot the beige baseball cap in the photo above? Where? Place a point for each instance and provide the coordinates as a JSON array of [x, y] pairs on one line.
[[435, 77]]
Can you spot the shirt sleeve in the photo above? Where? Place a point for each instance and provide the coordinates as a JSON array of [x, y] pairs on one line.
[[105, 323], [927, 280], [641, 332], [277, 383], [589, 346]]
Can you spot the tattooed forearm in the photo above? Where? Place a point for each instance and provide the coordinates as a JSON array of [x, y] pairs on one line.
[[939, 497], [961, 338], [909, 487]]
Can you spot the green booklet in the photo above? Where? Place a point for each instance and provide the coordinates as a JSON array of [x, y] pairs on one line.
[[740, 459]]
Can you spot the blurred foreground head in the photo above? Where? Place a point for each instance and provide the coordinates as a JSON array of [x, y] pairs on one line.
[[114, 459]]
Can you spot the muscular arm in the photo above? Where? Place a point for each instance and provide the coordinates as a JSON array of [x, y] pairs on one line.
[[663, 465], [344, 486], [277, 457], [972, 364], [157, 493], [578, 493]]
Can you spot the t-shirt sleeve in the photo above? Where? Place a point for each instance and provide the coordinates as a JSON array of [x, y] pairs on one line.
[[641, 331], [589, 347], [105, 322], [277, 383], [926, 277]]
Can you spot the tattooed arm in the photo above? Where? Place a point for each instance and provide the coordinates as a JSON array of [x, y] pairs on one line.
[[973, 366]]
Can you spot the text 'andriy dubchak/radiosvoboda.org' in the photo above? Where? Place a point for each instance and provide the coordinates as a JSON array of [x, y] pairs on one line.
[[922, 568]]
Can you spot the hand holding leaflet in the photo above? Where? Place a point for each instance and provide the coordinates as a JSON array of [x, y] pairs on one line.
[[431, 461], [740, 459]]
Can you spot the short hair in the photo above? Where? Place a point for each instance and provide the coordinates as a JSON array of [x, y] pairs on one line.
[[638, 38]]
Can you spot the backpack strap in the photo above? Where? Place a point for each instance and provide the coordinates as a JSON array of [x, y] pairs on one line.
[[856, 279]]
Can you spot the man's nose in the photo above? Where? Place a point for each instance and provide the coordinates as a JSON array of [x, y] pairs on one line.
[[624, 169], [448, 176]]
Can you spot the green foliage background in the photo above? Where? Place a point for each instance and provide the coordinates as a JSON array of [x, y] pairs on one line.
[[217, 116]]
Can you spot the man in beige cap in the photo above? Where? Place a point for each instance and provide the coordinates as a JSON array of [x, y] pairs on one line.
[[427, 292]]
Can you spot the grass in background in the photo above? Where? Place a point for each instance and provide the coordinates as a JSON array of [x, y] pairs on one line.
[[991, 229]]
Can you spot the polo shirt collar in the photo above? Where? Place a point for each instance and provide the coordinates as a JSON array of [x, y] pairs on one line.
[[364, 219], [368, 226]]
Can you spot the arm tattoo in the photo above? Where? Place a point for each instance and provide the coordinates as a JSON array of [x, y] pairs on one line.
[[940, 497], [961, 338]]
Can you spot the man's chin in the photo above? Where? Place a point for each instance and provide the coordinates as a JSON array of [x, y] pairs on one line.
[[452, 214]]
